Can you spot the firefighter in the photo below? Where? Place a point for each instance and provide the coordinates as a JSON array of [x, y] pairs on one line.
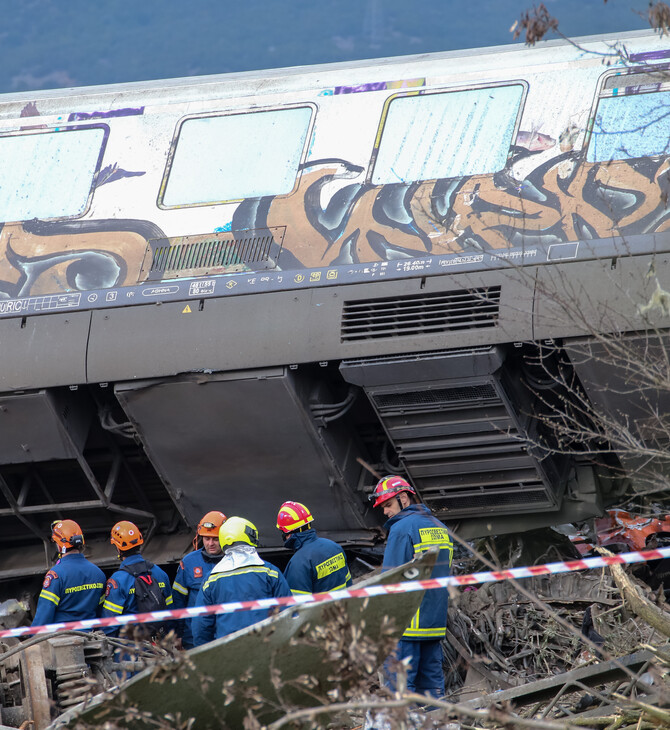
[[120, 589], [412, 530], [318, 564], [73, 589], [195, 568], [241, 575]]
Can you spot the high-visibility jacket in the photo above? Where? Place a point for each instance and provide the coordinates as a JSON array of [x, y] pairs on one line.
[[241, 575], [413, 531], [193, 571], [318, 565], [120, 591], [71, 591]]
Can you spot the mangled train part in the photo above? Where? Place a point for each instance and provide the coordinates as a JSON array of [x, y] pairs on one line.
[[268, 660]]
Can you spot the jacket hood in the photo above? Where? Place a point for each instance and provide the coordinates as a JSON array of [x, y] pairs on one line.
[[298, 539], [412, 509], [237, 556]]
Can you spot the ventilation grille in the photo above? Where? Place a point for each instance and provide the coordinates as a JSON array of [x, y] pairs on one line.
[[216, 253], [439, 396], [465, 448], [465, 503], [423, 314]]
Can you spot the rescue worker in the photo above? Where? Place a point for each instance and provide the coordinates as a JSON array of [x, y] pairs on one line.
[[412, 529], [73, 589], [318, 564], [120, 589], [195, 568], [241, 575]]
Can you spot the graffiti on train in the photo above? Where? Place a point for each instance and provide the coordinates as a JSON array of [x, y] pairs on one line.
[[336, 218], [560, 201]]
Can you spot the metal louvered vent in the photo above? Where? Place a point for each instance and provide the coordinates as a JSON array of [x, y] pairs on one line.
[[468, 309], [464, 447], [212, 253], [438, 397]]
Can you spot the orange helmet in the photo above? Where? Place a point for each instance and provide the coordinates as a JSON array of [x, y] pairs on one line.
[[209, 526], [67, 534], [390, 486], [125, 536], [293, 515]]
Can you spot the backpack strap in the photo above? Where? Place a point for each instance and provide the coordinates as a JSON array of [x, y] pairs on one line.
[[137, 569]]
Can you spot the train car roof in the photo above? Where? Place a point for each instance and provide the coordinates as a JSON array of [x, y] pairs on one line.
[[294, 78]]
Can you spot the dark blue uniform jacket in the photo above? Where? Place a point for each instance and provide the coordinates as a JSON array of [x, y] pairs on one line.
[[72, 591], [413, 531], [193, 571], [120, 592], [246, 583], [318, 565]]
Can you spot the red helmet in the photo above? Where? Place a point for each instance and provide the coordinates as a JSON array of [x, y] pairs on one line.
[[125, 536], [209, 526], [390, 486], [293, 515], [67, 534]]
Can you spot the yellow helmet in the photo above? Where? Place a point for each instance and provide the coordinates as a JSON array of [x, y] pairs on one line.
[[237, 529]]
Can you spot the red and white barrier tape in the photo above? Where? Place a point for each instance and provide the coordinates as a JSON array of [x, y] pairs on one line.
[[378, 590]]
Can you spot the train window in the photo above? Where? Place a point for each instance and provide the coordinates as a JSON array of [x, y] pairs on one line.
[[250, 155], [52, 173], [447, 135], [630, 126]]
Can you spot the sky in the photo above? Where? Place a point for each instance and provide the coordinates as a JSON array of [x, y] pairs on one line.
[[55, 44]]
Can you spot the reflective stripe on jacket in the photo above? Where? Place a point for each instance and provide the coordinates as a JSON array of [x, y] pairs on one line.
[[71, 591], [246, 583], [120, 592], [318, 565], [193, 571], [413, 531]]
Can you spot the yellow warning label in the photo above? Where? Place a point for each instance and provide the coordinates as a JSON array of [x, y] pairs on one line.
[[186, 309]]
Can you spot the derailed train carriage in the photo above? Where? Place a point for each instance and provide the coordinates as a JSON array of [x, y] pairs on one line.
[[227, 291]]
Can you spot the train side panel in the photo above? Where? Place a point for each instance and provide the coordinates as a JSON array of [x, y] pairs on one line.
[[221, 293]]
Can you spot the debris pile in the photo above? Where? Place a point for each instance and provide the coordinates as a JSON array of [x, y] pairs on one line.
[[511, 641]]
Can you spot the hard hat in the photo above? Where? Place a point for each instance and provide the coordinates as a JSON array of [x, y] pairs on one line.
[[67, 534], [237, 529], [210, 524], [126, 535], [390, 486], [293, 515]]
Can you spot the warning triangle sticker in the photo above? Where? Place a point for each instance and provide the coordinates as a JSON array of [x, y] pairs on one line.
[[186, 310]]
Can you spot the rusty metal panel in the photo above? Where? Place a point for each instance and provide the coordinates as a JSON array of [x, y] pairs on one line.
[[209, 254]]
